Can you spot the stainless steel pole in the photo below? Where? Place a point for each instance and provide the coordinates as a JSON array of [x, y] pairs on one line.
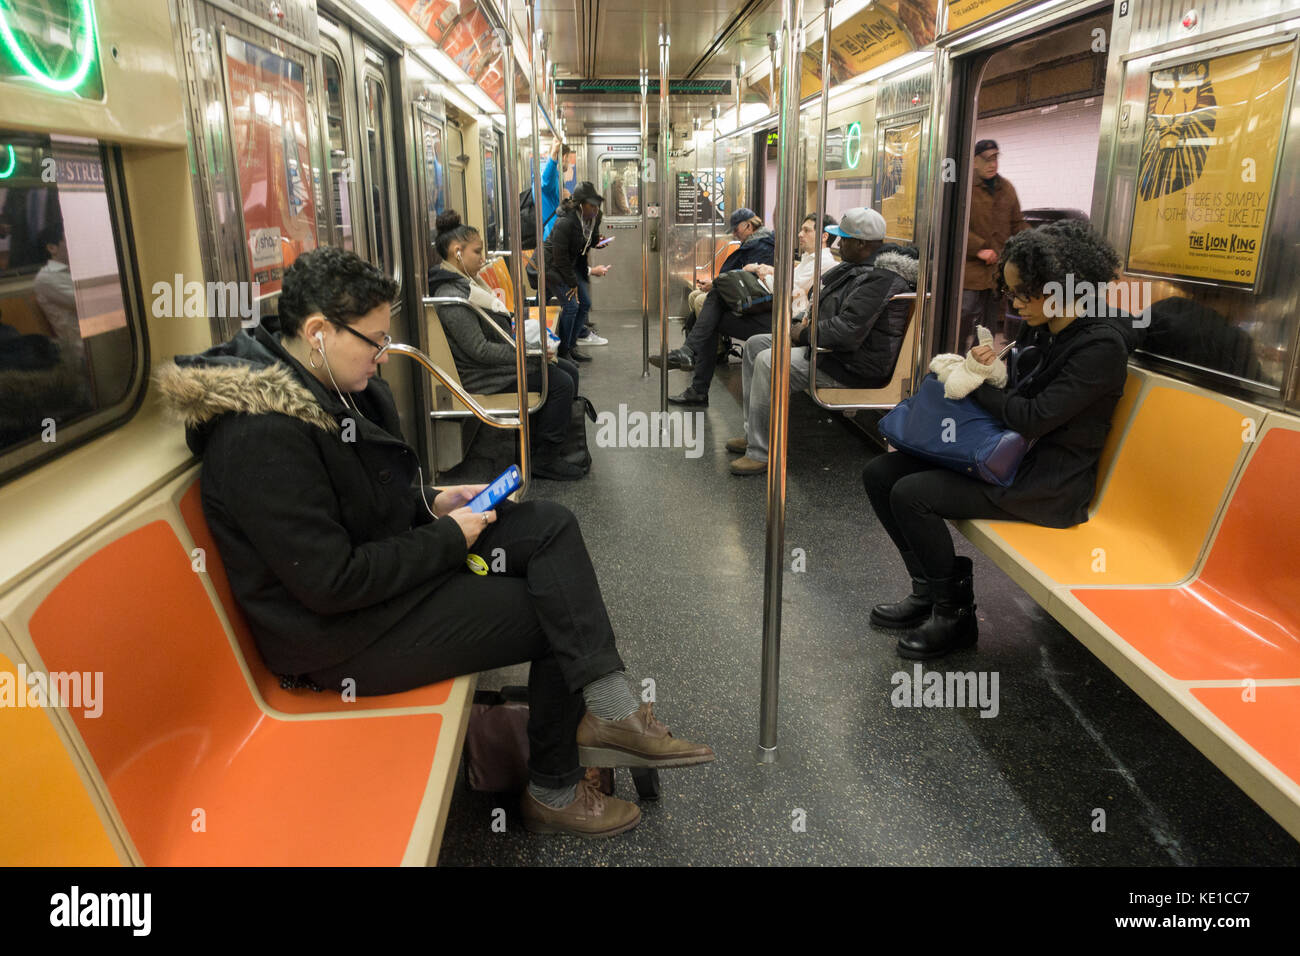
[[714, 192], [815, 296], [538, 54], [773, 77], [643, 194], [516, 264], [665, 203], [695, 207], [785, 220]]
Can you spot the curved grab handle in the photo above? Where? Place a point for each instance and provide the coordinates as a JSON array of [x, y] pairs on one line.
[[456, 300], [481, 413]]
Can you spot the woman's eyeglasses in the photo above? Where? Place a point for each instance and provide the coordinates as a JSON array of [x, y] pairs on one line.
[[380, 349]]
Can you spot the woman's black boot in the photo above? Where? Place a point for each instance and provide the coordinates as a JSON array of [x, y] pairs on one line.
[[952, 624], [913, 610]]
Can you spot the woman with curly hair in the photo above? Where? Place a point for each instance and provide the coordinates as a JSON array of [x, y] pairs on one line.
[[1064, 407]]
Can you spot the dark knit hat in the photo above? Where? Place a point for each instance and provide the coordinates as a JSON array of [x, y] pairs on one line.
[[984, 145]]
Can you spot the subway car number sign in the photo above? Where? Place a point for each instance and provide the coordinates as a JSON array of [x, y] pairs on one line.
[[1209, 155]]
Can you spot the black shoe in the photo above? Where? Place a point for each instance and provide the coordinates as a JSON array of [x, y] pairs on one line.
[[913, 610], [951, 625], [677, 359], [690, 397], [576, 356], [557, 469]]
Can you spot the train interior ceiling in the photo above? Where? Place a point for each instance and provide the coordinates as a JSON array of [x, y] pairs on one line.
[[163, 162]]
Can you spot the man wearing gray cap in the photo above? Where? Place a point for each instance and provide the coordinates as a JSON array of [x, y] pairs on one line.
[[856, 320], [994, 218], [700, 353]]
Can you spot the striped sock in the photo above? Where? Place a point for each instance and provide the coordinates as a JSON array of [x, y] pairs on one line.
[[557, 798], [610, 697]]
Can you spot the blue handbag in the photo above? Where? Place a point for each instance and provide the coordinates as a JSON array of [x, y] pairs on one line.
[[957, 434]]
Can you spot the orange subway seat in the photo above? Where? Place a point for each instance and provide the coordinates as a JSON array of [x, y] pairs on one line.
[[1241, 616], [268, 685], [1167, 484], [198, 772], [1269, 723]]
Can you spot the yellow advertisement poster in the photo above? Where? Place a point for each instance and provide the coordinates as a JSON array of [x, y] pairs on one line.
[[898, 181], [873, 37], [1209, 151], [962, 13]]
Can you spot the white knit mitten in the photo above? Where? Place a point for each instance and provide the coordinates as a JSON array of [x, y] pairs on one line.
[[972, 373], [942, 365]]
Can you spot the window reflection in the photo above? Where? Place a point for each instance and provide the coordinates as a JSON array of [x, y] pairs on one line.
[[65, 349], [620, 184]]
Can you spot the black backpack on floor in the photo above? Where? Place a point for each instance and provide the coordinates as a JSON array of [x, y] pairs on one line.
[[528, 220]]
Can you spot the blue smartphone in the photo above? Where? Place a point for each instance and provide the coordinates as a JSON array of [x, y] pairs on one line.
[[487, 499]]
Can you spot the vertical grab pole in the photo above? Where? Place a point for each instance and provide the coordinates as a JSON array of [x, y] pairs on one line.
[[816, 291], [665, 198], [643, 191], [787, 209], [516, 264], [714, 196], [695, 208], [537, 52]]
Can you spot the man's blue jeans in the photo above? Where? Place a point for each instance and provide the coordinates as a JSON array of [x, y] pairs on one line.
[[573, 314]]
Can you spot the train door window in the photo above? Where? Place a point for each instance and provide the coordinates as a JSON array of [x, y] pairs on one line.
[[435, 175], [620, 184], [379, 150], [456, 195], [341, 166], [491, 196], [70, 348], [268, 110]]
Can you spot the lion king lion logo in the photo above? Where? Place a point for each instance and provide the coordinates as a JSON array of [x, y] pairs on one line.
[[1181, 112]]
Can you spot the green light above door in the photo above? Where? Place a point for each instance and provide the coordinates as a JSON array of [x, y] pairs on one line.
[[57, 66], [853, 145]]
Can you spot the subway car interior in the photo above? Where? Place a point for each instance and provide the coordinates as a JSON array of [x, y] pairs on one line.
[[660, 173]]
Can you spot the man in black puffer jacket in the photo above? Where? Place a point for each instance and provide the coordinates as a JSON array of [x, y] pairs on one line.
[[576, 232], [857, 320]]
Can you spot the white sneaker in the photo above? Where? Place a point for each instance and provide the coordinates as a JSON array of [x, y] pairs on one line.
[[591, 338]]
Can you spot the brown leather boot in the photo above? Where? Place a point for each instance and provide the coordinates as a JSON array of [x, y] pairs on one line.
[[592, 814], [641, 740]]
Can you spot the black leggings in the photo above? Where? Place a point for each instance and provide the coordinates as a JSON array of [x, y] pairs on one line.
[[561, 389], [912, 498]]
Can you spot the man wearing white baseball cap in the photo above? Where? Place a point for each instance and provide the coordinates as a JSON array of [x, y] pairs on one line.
[[856, 320]]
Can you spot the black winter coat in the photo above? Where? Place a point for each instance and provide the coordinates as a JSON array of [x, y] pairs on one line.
[[1067, 406], [484, 360], [857, 321], [567, 248], [315, 509]]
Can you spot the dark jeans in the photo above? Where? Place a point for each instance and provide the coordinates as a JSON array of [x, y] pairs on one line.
[[544, 606], [913, 497], [573, 313], [714, 321], [561, 389]]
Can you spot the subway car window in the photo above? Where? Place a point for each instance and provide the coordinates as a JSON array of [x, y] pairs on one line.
[[268, 111], [379, 146], [68, 351], [492, 233], [435, 175], [456, 196], [620, 185], [341, 166]]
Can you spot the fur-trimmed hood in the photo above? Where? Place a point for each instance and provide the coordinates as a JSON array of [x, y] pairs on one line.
[[251, 374], [901, 260]]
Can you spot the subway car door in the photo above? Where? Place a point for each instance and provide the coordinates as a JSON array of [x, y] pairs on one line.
[[373, 217], [614, 168]]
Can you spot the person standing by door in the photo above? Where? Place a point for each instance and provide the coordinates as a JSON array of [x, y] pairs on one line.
[[994, 218]]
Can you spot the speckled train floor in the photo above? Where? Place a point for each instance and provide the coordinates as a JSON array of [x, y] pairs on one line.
[[678, 544]]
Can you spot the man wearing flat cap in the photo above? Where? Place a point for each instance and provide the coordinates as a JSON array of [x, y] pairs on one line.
[[994, 218]]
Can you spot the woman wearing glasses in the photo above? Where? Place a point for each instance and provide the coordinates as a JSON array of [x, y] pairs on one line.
[[350, 569], [1065, 407]]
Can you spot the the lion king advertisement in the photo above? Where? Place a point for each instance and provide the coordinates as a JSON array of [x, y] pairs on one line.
[[1205, 178]]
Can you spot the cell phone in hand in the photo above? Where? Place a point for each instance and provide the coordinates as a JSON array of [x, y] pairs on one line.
[[604, 242], [491, 496]]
